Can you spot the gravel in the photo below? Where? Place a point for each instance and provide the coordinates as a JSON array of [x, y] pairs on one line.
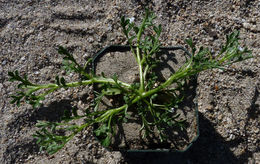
[[31, 30]]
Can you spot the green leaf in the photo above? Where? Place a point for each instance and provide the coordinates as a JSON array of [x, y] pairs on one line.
[[112, 91], [102, 130], [115, 78], [63, 82], [130, 27], [16, 77], [57, 80], [126, 99], [64, 51], [106, 142], [157, 30], [191, 44], [130, 40], [124, 21]]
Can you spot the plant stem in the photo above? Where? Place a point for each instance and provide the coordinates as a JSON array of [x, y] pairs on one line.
[[182, 73], [75, 84], [140, 66], [138, 55]]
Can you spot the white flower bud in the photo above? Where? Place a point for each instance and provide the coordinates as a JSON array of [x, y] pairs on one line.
[[131, 19]]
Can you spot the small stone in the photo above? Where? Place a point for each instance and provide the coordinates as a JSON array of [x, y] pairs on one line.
[[30, 157], [4, 62], [246, 25], [209, 107], [79, 103], [74, 96], [85, 56], [254, 28], [256, 130], [94, 151], [109, 28], [231, 137], [112, 162], [90, 40], [22, 58], [117, 155], [89, 146], [63, 72], [95, 160], [211, 98], [252, 20], [220, 117]]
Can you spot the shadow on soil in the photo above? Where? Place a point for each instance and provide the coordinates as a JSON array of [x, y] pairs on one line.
[[19, 149], [209, 148]]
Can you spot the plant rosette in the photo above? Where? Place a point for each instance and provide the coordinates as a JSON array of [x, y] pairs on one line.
[[153, 101], [118, 61]]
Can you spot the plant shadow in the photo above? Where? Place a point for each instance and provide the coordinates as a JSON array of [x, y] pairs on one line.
[[29, 118], [170, 62], [20, 150], [210, 147]]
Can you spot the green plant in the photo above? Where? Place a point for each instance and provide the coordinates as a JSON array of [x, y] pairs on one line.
[[142, 95]]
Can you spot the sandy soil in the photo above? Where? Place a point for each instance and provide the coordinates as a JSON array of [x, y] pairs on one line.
[[31, 30]]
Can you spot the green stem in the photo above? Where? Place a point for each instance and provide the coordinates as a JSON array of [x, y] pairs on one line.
[[75, 84], [182, 73], [138, 55], [140, 66], [101, 118]]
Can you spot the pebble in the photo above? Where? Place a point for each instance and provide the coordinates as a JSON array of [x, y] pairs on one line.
[[252, 20], [30, 157], [90, 40], [89, 146], [250, 27], [117, 155], [109, 28], [246, 25], [86, 55], [79, 103], [231, 137], [4, 62], [94, 151], [211, 98], [220, 117], [22, 58], [209, 107], [256, 130]]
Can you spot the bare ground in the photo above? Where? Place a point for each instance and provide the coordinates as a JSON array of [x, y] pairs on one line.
[[31, 30]]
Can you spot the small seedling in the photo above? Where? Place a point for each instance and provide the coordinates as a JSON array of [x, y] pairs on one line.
[[142, 95]]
